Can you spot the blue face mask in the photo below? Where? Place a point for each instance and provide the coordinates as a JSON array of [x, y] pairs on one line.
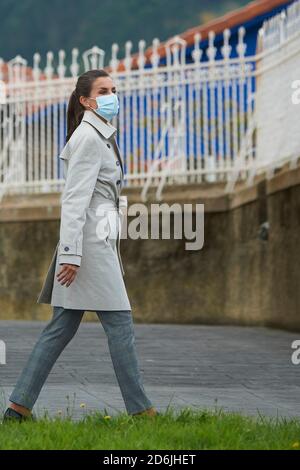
[[108, 106]]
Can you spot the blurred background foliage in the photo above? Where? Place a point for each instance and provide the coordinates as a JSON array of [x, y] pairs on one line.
[[30, 26]]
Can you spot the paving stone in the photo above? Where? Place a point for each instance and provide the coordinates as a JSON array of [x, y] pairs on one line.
[[242, 369]]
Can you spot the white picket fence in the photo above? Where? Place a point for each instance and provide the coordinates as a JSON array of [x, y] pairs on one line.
[[209, 120]]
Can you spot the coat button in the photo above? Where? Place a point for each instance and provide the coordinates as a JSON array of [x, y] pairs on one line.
[[119, 181], [67, 248], [108, 145], [117, 163]]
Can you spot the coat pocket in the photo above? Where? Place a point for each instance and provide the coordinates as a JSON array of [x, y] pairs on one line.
[[108, 226]]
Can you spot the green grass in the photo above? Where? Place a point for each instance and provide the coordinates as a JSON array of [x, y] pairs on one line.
[[185, 429]]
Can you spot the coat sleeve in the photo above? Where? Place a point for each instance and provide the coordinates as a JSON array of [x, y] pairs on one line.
[[83, 168]]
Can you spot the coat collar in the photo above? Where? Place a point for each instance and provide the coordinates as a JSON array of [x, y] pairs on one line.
[[106, 129]]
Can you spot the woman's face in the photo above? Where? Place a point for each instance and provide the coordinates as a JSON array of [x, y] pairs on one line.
[[100, 86]]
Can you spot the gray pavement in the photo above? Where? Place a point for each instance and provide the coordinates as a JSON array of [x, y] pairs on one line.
[[241, 369]]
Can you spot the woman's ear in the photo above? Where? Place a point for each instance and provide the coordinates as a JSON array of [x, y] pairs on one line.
[[84, 101]]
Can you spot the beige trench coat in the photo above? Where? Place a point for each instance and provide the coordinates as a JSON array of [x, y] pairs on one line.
[[90, 222]]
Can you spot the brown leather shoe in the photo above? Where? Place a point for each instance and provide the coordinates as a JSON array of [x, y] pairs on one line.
[[149, 412]]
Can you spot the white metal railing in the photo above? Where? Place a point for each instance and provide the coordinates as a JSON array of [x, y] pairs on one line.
[[218, 119]]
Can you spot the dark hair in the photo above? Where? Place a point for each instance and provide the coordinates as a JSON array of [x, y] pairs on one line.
[[83, 87]]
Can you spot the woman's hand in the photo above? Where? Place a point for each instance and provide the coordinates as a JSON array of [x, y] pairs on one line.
[[67, 274]]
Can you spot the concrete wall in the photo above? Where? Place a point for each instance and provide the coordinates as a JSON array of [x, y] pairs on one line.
[[236, 278]]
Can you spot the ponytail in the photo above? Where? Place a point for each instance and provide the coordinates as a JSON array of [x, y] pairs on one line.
[[75, 113]]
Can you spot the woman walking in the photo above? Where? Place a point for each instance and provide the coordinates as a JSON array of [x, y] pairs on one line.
[[86, 271]]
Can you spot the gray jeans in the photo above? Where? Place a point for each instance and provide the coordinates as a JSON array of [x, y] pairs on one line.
[[119, 329]]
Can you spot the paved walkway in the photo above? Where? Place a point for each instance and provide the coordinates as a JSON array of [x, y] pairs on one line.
[[236, 368]]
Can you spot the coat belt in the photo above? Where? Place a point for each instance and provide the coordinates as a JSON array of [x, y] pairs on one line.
[[109, 204]]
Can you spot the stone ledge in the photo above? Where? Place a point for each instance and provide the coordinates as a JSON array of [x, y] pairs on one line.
[[283, 180], [29, 207]]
